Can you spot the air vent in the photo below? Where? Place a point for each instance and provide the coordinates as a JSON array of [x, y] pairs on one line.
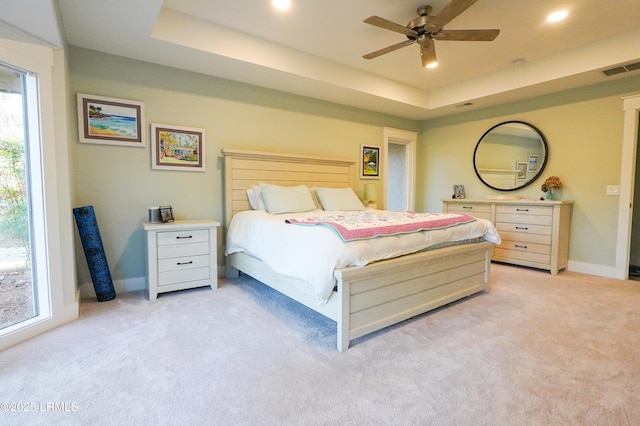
[[622, 68]]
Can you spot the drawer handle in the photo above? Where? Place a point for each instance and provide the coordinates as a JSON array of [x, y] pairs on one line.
[[522, 247], [468, 207], [522, 210], [185, 263], [184, 238], [522, 228]]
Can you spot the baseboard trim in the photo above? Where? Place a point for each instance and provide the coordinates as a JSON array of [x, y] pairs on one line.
[[593, 269]]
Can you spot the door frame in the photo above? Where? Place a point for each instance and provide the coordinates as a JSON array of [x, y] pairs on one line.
[[410, 140], [631, 107]]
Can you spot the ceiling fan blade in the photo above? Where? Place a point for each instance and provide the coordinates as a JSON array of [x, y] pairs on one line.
[[388, 49], [466, 35], [388, 25], [428, 52], [450, 11]]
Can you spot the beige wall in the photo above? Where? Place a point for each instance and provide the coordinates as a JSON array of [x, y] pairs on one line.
[[119, 183], [585, 143], [583, 129]]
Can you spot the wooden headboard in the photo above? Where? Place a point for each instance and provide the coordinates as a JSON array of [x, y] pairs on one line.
[[245, 168]]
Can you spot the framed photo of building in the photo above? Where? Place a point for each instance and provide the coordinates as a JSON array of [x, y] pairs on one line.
[[111, 121], [177, 148]]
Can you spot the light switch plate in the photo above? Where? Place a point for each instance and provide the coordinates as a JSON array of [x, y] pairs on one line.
[[613, 189]]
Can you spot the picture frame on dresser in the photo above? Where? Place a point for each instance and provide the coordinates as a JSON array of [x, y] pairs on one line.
[[458, 191]]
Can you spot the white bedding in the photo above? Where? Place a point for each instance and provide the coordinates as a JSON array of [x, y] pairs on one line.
[[313, 253]]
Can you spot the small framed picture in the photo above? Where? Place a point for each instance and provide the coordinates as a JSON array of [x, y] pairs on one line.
[[521, 167], [532, 165], [111, 121], [166, 214], [458, 191], [369, 162], [177, 148]]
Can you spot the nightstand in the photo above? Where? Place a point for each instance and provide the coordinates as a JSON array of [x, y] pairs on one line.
[[181, 255]]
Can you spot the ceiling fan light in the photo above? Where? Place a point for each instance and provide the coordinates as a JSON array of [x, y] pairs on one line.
[[281, 4], [557, 16]]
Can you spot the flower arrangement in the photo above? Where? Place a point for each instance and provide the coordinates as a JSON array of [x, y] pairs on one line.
[[552, 182]]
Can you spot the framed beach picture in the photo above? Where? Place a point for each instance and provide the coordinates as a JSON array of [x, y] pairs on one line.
[[111, 121], [369, 162], [177, 148]]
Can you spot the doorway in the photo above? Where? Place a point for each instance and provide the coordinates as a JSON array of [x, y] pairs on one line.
[[399, 157], [631, 106]]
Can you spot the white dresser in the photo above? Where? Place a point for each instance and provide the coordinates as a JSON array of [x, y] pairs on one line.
[[181, 255], [534, 233]]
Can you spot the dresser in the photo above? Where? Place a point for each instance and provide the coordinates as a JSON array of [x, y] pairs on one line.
[[534, 233], [181, 255]]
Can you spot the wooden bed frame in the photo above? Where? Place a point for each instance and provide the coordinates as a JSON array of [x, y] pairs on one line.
[[366, 298]]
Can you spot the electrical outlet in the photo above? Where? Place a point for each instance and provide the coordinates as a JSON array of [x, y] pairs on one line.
[[613, 189]]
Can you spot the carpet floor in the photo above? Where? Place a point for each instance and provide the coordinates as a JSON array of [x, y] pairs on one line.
[[536, 349]]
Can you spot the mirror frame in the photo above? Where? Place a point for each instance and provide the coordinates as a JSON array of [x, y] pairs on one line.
[[540, 169]]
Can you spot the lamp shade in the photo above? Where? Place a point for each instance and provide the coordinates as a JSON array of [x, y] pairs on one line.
[[370, 192]]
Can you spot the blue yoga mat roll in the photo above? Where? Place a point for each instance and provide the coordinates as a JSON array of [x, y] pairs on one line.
[[94, 252]]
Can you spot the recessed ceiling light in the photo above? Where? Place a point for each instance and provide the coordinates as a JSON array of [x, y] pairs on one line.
[[557, 16], [281, 4]]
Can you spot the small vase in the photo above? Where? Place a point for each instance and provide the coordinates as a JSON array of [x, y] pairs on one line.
[[549, 195]]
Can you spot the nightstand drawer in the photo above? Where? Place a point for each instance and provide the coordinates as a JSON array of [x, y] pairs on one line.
[[183, 263], [183, 237], [181, 250], [183, 276]]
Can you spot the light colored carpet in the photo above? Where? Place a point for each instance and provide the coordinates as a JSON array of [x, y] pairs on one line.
[[536, 350]]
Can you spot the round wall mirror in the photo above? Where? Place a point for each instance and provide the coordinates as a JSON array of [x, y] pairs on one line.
[[510, 155]]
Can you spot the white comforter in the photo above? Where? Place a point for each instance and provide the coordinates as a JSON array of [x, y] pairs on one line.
[[312, 253]]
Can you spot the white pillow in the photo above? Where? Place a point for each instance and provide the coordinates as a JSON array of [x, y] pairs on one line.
[[255, 198], [339, 199], [286, 199]]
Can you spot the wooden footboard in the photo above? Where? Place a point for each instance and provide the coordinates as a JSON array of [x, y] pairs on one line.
[[383, 293], [390, 291]]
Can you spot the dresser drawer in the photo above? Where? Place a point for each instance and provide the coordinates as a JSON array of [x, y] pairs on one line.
[[482, 211], [526, 237], [527, 219], [525, 210], [523, 228], [182, 250], [183, 237], [523, 246], [521, 256]]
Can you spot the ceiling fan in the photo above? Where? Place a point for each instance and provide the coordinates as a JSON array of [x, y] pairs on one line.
[[427, 28]]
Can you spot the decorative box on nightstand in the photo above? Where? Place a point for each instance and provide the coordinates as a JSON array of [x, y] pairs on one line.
[[181, 255]]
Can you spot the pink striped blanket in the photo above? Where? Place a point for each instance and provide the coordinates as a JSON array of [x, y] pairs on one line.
[[359, 225]]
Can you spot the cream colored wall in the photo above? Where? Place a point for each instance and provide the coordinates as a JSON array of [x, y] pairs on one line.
[[119, 183], [585, 141]]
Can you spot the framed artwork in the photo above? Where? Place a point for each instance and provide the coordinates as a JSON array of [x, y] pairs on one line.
[[521, 167], [458, 191], [369, 162], [111, 121], [177, 148], [532, 165]]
